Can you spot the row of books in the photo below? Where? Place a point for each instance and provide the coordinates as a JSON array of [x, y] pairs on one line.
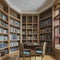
[[34, 37], [14, 49], [16, 15], [3, 52], [56, 22], [3, 31], [13, 29], [2, 38], [23, 19], [48, 49], [35, 32], [46, 22], [29, 18], [14, 37], [42, 37], [3, 23], [57, 31], [35, 19], [35, 26], [29, 26], [29, 32], [14, 22], [29, 41], [31, 37], [13, 44], [49, 29], [23, 37], [3, 16], [23, 26], [23, 32], [46, 37], [49, 43], [2, 45]]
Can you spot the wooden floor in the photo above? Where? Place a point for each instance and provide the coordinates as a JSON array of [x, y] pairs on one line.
[[47, 57], [15, 56]]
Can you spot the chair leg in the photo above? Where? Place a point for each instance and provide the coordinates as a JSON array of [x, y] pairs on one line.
[[19, 56], [42, 57], [35, 57], [30, 57], [23, 57]]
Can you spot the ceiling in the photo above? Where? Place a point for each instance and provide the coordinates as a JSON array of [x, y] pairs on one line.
[[29, 5]]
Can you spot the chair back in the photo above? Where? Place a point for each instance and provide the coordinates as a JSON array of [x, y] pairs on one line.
[[21, 47], [44, 48]]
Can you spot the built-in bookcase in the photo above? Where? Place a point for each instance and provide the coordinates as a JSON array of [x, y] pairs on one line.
[[46, 28], [30, 28], [10, 29], [57, 25], [15, 30], [3, 29]]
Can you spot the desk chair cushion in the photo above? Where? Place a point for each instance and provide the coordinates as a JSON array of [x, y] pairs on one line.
[[26, 53], [39, 51]]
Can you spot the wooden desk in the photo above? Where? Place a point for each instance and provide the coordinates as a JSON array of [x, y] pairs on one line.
[[31, 45]]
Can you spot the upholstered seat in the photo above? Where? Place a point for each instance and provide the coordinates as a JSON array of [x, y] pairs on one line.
[[39, 51], [26, 53]]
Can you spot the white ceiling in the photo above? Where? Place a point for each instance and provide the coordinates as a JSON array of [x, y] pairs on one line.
[[28, 5]]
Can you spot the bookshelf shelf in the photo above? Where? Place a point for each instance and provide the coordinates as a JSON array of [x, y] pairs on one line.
[[14, 40], [3, 40], [1, 10], [3, 20], [14, 26], [45, 32], [15, 18], [3, 48], [14, 33], [46, 26], [3, 34]]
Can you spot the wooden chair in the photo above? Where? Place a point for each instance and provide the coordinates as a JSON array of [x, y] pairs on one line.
[[40, 51], [24, 52]]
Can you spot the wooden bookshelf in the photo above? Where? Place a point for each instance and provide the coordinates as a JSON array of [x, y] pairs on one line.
[[30, 28], [15, 30], [46, 28], [57, 25], [10, 29]]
